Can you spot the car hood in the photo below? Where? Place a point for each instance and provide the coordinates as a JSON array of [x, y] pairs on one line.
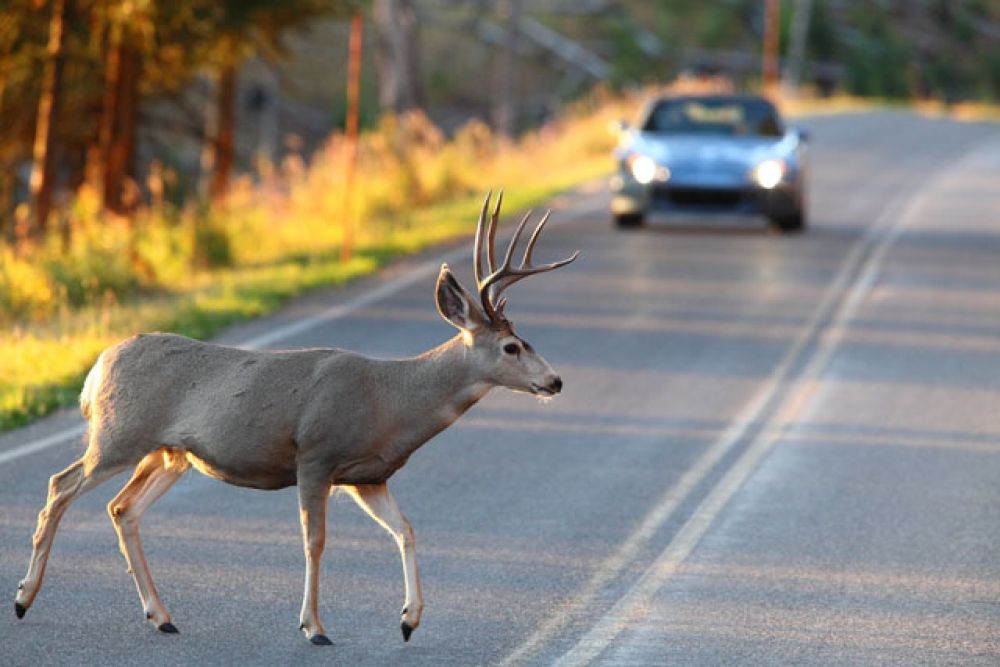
[[705, 152]]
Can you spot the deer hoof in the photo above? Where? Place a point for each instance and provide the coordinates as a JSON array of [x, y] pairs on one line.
[[320, 640], [20, 609], [407, 630], [168, 628]]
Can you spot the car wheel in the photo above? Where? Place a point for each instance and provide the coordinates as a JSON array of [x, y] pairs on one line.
[[791, 223], [628, 220]]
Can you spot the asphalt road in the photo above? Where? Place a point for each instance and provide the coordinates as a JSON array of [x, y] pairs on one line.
[[769, 450]]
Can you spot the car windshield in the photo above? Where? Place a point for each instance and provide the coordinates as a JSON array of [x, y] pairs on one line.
[[722, 116]]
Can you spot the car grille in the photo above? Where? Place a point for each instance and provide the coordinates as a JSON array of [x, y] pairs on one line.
[[699, 197]]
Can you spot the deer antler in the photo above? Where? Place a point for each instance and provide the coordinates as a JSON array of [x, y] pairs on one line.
[[499, 279]]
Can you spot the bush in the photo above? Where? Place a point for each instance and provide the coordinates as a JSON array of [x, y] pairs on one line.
[[212, 248], [26, 292], [89, 273]]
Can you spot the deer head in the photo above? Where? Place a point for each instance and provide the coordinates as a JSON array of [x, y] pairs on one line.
[[503, 357]]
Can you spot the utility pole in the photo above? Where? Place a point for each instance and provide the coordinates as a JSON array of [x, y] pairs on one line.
[[351, 134], [772, 16]]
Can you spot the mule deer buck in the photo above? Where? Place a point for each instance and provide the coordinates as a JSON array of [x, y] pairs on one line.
[[319, 419]]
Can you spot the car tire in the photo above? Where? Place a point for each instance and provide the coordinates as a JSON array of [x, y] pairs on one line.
[[791, 223], [628, 220]]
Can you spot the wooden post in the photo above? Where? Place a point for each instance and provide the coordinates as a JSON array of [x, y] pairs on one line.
[[772, 15], [351, 133]]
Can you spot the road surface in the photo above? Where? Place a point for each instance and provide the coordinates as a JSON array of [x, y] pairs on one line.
[[769, 450]]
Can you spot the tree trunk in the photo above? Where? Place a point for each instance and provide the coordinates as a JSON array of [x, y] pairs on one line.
[[6, 204], [43, 163], [801, 14], [505, 111], [101, 157], [122, 191], [397, 55], [224, 141], [113, 169]]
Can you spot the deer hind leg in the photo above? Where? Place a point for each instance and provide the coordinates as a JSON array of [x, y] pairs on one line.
[[312, 512], [154, 475], [376, 500], [64, 488]]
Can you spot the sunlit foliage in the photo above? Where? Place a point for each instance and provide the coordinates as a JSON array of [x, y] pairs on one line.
[[195, 269]]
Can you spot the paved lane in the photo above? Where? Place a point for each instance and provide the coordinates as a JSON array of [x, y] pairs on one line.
[[807, 426], [869, 534]]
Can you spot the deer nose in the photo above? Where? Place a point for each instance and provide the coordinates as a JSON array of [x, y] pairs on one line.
[[556, 385]]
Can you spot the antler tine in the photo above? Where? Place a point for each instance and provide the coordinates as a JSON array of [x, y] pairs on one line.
[[505, 268], [514, 275], [499, 279], [477, 263], [514, 240], [491, 244], [534, 237]]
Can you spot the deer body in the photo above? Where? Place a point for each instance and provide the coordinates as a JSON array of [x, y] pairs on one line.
[[259, 419], [317, 419]]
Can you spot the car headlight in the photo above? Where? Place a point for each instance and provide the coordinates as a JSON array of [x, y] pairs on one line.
[[769, 173], [645, 170]]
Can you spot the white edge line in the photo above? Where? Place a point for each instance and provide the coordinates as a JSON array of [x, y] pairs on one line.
[[335, 312], [42, 443]]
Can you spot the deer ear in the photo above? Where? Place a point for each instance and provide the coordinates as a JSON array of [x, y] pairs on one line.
[[455, 304]]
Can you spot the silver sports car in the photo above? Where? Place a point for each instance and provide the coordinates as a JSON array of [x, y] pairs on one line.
[[711, 153]]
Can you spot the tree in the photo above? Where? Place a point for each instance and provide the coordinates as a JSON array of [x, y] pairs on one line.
[[127, 29], [43, 163], [397, 55], [505, 110]]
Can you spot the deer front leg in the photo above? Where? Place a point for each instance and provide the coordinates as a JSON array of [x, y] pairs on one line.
[[376, 500], [312, 512]]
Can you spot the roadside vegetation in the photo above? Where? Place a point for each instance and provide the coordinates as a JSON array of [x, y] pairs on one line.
[[199, 268]]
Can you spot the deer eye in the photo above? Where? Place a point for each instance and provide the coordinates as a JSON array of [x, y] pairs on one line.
[[511, 348]]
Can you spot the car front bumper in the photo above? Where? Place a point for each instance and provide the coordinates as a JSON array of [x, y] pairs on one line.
[[629, 197]]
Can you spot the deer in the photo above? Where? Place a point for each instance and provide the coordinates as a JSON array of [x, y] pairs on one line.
[[319, 419]]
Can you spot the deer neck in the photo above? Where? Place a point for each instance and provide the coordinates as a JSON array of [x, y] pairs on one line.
[[428, 394], [445, 382]]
